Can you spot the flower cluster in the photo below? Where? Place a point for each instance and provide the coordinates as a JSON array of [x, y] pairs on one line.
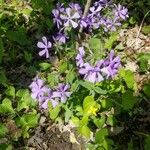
[[103, 14], [103, 69], [44, 94]]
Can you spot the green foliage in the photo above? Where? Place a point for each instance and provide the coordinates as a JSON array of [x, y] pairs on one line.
[[6, 106], [143, 59], [110, 41], [147, 143], [146, 90], [3, 130], [128, 100], [128, 77]]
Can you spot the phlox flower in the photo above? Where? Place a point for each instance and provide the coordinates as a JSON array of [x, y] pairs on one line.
[[44, 45], [62, 92], [70, 18], [121, 12], [38, 89], [79, 57]]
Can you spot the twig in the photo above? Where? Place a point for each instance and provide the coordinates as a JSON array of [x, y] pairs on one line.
[[86, 10], [141, 25]]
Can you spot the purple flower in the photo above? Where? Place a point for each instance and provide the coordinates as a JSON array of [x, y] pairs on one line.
[[62, 92], [60, 7], [44, 45], [102, 3], [91, 73], [79, 57], [75, 6], [60, 38], [38, 89], [84, 22], [94, 11], [70, 18], [56, 18], [121, 12], [110, 24], [48, 98], [111, 65]]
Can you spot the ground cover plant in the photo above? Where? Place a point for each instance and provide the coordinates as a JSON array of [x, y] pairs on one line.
[[74, 66]]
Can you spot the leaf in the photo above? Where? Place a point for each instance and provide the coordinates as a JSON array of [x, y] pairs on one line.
[[128, 77], [27, 56], [110, 41], [128, 100], [3, 130], [147, 143], [10, 91], [70, 76], [53, 79], [106, 103], [88, 103], [99, 122], [31, 119], [87, 85], [96, 46], [1, 50], [6, 106], [68, 114], [15, 36], [95, 43], [45, 66], [3, 78], [143, 59], [54, 112], [99, 90], [100, 135], [85, 131], [146, 29], [146, 90], [111, 120], [63, 66]]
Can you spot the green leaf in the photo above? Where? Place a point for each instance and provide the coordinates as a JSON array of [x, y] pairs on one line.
[[100, 135], [143, 59], [1, 50], [111, 120], [128, 100], [106, 103], [70, 76], [68, 114], [54, 112], [10, 91], [15, 36], [3, 130], [147, 143], [53, 79], [128, 77], [110, 41], [45, 66], [3, 78], [83, 121], [146, 90], [63, 66], [99, 122], [28, 121], [27, 56], [95, 44], [146, 29], [6, 106], [99, 90], [31, 119], [85, 131], [88, 103]]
